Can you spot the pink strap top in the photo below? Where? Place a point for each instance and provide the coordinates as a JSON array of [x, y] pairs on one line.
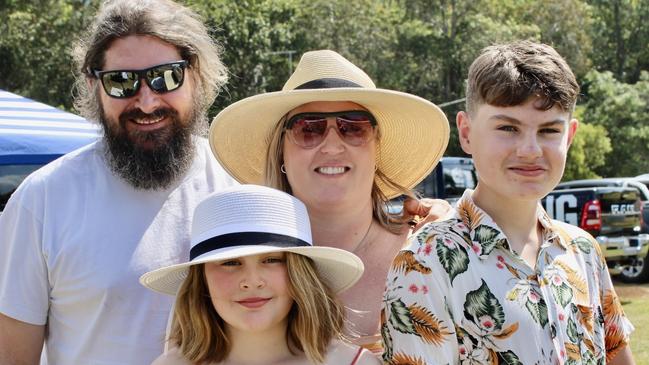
[[358, 354]]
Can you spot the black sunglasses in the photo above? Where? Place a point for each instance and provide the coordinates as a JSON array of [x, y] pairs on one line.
[[308, 130], [161, 79]]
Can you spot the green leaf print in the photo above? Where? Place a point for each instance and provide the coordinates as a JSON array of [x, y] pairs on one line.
[[387, 342], [454, 259], [486, 236], [583, 244], [400, 317], [587, 358], [562, 294], [538, 311], [509, 358], [573, 334], [482, 308]]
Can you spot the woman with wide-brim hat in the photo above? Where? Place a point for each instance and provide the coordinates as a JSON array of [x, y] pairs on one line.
[[343, 147]]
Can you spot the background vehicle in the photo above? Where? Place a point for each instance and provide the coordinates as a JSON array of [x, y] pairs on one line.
[[644, 179], [33, 134], [610, 210], [447, 181]]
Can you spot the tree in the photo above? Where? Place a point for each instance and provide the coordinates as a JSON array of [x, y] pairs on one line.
[[620, 36], [251, 33], [623, 110], [37, 37], [587, 153]]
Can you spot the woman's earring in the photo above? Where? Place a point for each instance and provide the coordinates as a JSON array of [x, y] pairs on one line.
[[282, 169]]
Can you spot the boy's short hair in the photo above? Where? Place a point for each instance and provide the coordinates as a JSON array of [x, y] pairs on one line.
[[509, 74]]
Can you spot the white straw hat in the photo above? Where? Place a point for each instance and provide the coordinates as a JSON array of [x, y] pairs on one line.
[[413, 131], [249, 220]]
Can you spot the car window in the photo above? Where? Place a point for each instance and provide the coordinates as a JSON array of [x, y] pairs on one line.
[[457, 178], [10, 177]]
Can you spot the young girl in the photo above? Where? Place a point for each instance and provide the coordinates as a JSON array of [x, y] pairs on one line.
[[255, 290]]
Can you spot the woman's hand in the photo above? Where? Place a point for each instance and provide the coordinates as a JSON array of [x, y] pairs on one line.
[[421, 211]]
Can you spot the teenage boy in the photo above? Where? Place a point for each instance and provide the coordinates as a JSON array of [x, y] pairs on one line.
[[500, 282]]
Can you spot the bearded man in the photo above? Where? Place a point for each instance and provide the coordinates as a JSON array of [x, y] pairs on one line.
[[78, 233]]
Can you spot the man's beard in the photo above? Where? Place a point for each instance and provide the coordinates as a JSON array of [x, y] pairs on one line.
[[168, 156]]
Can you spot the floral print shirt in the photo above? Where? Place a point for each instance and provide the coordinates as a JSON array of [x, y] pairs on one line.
[[457, 294]]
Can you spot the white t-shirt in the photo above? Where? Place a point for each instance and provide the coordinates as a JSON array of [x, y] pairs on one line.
[[74, 239]]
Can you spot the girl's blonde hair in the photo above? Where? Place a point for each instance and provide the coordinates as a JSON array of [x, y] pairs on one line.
[[275, 178], [315, 319]]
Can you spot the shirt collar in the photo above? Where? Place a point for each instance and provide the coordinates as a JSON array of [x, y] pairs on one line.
[[488, 235]]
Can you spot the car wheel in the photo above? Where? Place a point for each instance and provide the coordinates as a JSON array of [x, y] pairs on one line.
[[636, 272]]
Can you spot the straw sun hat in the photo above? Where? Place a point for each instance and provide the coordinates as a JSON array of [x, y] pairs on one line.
[[414, 132], [250, 220]]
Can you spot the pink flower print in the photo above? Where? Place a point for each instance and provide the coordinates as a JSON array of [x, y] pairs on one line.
[[428, 249], [424, 289], [486, 322], [413, 289], [557, 280], [476, 248], [500, 266], [501, 258], [460, 226], [448, 243], [533, 297], [463, 352]]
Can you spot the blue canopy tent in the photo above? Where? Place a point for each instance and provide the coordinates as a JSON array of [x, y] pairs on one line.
[[36, 133], [33, 134]]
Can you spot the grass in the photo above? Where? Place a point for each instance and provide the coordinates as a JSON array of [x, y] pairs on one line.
[[635, 300]]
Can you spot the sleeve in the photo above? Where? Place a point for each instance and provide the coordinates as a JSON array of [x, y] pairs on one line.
[[617, 327], [417, 328], [24, 284]]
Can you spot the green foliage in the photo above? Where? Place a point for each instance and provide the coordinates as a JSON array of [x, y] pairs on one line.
[[620, 37], [623, 110], [35, 45], [419, 46], [588, 152]]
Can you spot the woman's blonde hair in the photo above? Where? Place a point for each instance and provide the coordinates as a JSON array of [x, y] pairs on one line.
[[275, 178], [315, 319]]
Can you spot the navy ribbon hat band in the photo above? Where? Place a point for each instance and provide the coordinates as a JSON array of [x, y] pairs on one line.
[[244, 239], [327, 83]]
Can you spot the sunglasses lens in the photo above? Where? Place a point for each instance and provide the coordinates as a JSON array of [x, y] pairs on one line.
[[120, 84], [161, 79], [165, 78], [355, 131], [308, 131]]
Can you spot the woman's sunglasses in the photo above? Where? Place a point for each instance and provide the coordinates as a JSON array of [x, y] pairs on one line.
[[308, 130], [125, 83]]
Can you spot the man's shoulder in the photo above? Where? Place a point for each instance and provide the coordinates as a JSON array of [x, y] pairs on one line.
[[64, 169], [210, 166]]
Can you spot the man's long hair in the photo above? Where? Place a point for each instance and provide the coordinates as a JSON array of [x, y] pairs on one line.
[[164, 19]]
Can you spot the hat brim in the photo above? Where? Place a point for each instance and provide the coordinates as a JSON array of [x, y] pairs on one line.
[[340, 269], [414, 132]]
